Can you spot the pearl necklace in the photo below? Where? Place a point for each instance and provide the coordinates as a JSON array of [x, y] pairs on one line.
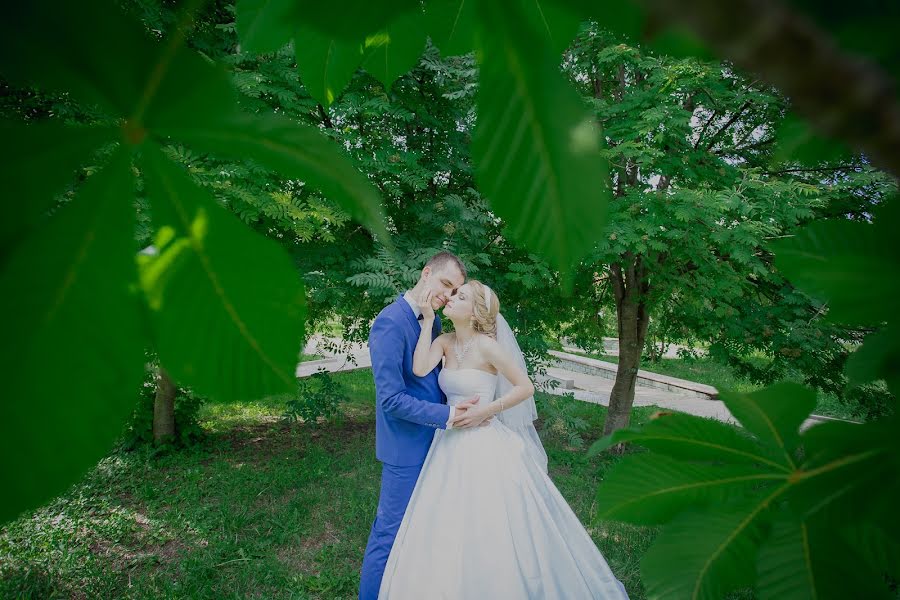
[[460, 355]]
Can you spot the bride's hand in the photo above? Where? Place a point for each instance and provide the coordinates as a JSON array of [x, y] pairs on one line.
[[424, 301]]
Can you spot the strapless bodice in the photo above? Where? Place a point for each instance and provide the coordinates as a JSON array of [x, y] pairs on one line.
[[460, 385]]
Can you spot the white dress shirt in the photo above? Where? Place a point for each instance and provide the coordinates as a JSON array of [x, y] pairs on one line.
[[418, 311]]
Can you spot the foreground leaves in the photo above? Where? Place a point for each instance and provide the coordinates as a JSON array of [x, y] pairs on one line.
[[395, 50], [326, 64], [536, 147], [73, 353], [36, 163], [297, 152], [228, 305], [765, 506], [851, 267]]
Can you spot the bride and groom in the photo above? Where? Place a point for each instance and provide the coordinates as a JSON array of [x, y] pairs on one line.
[[466, 509]]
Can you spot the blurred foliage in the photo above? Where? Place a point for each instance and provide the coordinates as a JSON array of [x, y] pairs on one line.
[[675, 182]]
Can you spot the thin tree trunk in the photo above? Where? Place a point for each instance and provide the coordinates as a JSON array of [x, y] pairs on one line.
[[164, 407], [633, 320]]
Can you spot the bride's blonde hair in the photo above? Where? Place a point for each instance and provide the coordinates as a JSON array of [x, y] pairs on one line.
[[484, 318]]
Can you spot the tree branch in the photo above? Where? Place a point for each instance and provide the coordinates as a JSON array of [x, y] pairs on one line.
[[728, 124], [825, 169], [714, 114], [326, 120], [843, 95]]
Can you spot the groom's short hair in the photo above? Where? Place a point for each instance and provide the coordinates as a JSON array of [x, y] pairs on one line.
[[442, 259]]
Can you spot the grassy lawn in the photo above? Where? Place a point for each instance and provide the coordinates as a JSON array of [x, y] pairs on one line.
[[709, 372], [309, 357], [701, 370], [260, 509]]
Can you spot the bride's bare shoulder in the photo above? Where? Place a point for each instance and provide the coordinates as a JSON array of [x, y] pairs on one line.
[[487, 344], [444, 338]]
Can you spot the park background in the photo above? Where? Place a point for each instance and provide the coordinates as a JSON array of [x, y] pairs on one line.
[[718, 198]]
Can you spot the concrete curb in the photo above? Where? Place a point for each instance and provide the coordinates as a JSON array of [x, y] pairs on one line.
[[592, 366]]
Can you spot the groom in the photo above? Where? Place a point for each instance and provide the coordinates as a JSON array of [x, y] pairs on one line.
[[408, 408]]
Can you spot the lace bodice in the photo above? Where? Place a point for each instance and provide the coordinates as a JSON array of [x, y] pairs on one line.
[[460, 385]]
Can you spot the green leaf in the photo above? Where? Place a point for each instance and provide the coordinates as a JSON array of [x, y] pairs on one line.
[[227, 303], [773, 414], [693, 438], [183, 89], [798, 562], [66, 47], [849, 470], [451, 25], [846, 264], [785, 564], [89, 49], [556, 23], [680, 43], [73, 352], [352, 19], [326, 65], [265, 25], [649, 489], [797, 142], [36, 162], [295, 151], [877, 358], [716, 552], [536, 146], [878, 546], [625, 18], [396, 50], [629, 19]]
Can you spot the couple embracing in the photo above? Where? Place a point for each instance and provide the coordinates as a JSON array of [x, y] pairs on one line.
[[466, 509]]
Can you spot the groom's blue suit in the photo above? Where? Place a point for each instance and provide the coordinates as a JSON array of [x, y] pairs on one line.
[[408, 409]]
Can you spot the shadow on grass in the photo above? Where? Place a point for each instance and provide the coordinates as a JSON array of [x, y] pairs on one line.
[[259, 509]]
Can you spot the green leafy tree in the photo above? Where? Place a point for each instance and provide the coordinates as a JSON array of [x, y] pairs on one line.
[[224, 304], [694, 203]]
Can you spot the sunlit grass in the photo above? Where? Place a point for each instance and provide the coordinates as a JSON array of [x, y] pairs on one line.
[[260, 509]]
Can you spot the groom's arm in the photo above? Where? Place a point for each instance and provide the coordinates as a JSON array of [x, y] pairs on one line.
[[386, 350]]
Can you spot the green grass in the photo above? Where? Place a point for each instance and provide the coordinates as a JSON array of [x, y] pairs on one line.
[[260, 509], [309, 357], [700, 370]]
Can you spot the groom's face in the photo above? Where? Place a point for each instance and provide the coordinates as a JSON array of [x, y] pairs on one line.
[[443, 283]]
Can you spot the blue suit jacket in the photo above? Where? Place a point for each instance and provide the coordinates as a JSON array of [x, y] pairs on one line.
[[408, 408]]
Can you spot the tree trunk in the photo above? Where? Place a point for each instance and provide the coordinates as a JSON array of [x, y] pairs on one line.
[[630, 286], [164, 408]]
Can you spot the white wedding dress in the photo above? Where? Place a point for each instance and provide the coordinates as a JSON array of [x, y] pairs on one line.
[[485, 520]]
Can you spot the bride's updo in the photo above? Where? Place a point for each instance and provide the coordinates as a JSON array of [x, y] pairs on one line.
[[484, 318]]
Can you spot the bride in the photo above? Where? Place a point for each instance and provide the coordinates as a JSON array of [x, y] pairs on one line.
[[485, 520]]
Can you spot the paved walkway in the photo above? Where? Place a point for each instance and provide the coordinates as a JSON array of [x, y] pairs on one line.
[[652, 389]]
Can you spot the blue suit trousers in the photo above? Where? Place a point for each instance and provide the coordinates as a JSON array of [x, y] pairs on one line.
[[397, 485]]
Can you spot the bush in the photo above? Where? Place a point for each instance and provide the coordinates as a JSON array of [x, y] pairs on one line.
[[870, 401], [560, 421], [318, 396]]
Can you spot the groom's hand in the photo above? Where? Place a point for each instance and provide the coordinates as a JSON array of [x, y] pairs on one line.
[[472, 415], [462, 407]]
